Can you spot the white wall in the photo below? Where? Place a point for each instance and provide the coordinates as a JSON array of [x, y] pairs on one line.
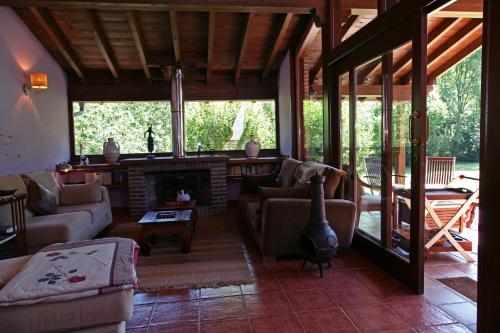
[[34, 131], [285, 106]]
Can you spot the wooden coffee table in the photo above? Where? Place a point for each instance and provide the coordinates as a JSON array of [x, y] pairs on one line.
[[172, 223]]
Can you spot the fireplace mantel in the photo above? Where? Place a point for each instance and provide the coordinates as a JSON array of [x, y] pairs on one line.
[[169, 159]]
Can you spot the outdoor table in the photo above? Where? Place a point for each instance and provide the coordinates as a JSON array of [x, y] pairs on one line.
[[459, 196]]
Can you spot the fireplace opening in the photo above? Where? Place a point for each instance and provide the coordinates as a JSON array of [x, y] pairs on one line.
[[194, 182]]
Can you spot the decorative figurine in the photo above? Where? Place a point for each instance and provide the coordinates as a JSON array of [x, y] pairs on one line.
[[151, 142], [84, 160]]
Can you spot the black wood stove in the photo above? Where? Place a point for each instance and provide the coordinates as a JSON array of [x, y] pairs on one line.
[[318, 241]]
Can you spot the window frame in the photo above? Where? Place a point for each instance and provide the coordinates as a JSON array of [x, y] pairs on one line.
[[99, 159]]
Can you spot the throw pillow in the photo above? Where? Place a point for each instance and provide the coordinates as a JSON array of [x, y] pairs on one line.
[[79, 194], [332, 180], [40, 200], [286, 177], [250, 183]]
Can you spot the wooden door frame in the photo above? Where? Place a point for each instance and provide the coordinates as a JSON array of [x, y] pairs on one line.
[[489, 209]]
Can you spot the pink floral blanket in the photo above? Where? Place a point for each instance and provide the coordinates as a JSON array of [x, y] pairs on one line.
[[66, 271]]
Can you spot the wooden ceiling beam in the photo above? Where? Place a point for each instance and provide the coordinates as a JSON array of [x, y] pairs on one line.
[[351, 20], [48, 23], [138, 35], [243, 47], [239, 6], [211, 37], [452, 61], [102, 42], [316, 67], [308, 38], [175, 36], [440, 30], [277, 44]]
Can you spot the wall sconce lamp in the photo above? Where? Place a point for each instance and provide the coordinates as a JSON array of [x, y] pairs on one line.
[[38, 82]]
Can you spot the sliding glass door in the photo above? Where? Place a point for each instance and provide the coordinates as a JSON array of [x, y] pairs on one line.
[[380, 104]]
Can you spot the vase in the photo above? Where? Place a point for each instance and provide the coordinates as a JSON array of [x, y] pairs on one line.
[[183, 196], [111, 151], [252, 148]]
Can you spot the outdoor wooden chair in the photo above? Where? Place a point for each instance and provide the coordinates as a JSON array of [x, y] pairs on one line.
[[439, 170], [373, 172]]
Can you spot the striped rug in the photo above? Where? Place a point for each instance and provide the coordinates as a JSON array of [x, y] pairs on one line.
[[217, 257]]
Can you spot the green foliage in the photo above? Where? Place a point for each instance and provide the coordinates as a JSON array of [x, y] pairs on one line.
[[208, 123], [313, 129], [126, 122], [454, 111]]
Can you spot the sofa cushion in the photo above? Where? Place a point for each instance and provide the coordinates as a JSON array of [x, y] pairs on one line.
[[306, 170], [79, 194], [9, 183], [70, 315], [58, 228], [301, 192], [47, 180], [98, 211], [250, 183], [40, 200], [286, 178]]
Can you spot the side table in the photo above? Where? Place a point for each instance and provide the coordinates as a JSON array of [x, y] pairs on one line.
[[18, 219]]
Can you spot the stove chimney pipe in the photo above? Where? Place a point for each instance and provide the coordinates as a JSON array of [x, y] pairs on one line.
[[177, 102]]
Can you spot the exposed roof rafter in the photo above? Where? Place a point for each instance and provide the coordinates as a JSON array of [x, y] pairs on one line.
[[243, 48], [138, 35], [277, 44], [102, 42], [175, 36], [452, 61], [211, 37], [55, 33]]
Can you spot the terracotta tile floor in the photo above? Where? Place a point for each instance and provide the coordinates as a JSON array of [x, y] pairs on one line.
[[354, 296]]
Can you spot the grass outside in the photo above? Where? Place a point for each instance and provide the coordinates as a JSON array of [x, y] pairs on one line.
[[467, 166]]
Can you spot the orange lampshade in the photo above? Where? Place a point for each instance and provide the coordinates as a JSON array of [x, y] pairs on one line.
[[39, 81]]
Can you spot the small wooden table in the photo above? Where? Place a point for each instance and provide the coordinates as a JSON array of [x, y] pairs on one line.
[[463, 197], [16, 203], [167, 223]]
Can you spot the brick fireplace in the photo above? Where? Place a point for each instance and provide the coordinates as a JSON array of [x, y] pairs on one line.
[[143, 175]]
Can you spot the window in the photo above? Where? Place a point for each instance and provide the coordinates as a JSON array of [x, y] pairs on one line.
[[228, 125], [126, 122], [313, 130]]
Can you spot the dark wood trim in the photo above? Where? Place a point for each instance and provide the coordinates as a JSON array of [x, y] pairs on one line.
[[243, 48], [348, 24], [277, 45], [293, 104], [236, 6], [175, 36], [327, 122], [71, 128], [489, 209], [419, 120], [138, 36], [102, 42], [45, 19], [299, 135], [211, 38]]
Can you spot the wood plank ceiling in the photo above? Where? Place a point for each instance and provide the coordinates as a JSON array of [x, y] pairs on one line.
[[454, 32], [213, 45]]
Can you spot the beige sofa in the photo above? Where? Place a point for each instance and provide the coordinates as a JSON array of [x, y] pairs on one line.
[[73, 222], [106, 313]]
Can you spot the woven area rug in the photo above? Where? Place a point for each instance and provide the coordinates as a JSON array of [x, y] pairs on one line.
[[464, 285], [217, 257]]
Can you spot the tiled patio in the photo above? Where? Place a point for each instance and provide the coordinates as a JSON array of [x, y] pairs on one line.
[[354, 296]]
